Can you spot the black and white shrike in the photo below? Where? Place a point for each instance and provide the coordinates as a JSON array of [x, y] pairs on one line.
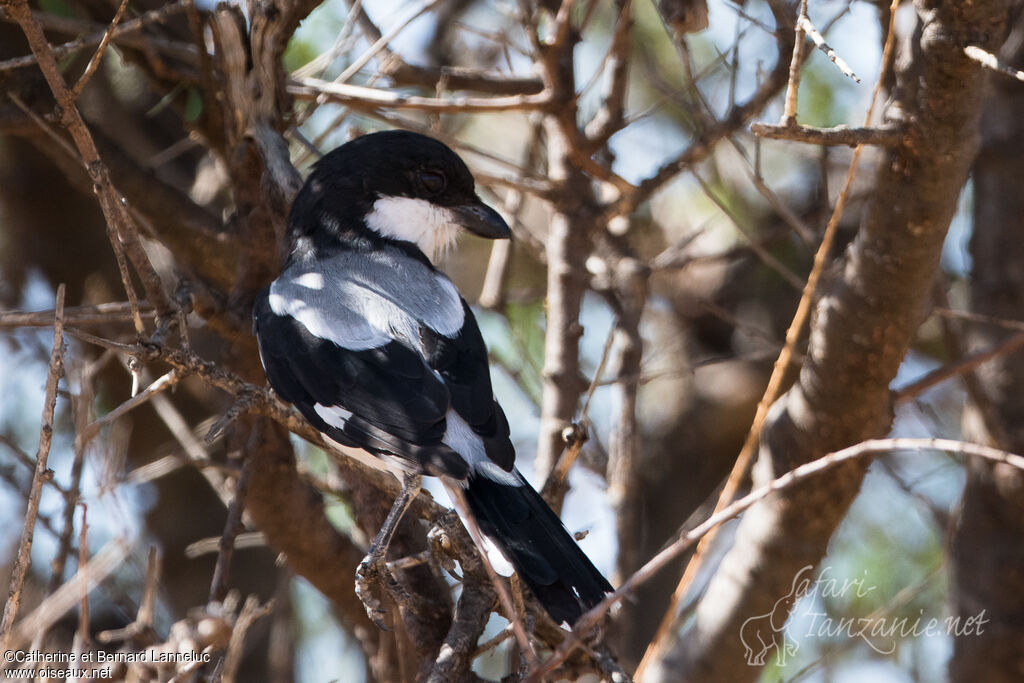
[[377, 349]]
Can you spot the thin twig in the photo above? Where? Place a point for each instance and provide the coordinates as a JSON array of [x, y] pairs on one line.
[[802, 230], [819, 42], [493, 289], [147, 607], [23, 458], [44, 126], [610, 118], [252, 539], [57, 604], [789, 112], [734, 119], [82, 410], [362, 97], [963, 365], [766, 256], [232, 525], [94, 62], [382, 41], [970, 316], [251, 611], [24, 554], [99, 314], [83, 590], [162, 384]]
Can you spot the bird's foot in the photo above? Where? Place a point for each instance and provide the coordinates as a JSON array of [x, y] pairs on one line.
[[374, 577], [370, 575]]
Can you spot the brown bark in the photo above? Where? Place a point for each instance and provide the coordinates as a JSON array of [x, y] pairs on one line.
[[988, 553]]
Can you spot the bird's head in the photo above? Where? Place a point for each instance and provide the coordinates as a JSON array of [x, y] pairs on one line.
[[400, 185]]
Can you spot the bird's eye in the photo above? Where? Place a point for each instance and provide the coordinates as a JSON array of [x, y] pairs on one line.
[[433, 182]]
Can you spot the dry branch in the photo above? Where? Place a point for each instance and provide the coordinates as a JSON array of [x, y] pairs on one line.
[[99, 314], [24, 554], [819, 42], [362, 97], [839, 135]]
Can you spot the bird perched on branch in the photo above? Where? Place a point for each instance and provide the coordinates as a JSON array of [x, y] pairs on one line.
[[377, 349]]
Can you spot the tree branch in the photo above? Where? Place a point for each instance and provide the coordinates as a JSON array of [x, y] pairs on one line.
[[840, 135]]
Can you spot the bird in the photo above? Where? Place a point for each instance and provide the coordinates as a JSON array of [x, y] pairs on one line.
[[378, 350]]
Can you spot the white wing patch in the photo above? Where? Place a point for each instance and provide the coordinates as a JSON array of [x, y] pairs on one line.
[[497, 558], [461, 438], [430, 227], [310, 281], [335, 416]]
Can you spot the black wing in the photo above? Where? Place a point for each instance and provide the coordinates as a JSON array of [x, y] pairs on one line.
[[462, 363], [384, 399]]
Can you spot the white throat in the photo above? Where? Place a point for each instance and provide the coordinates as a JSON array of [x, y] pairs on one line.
[[428, 226]]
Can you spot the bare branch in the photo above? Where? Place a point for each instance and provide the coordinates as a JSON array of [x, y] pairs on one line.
[[789, 112], [82, 411], [766, 256], [99, 314], [232, 526], [165, 382], [735, 119], [456, 78], [24, 555], [819, 42], [963, 365], [610, 118], [94, 62], [361, 97], [251, 612], [839, 135]]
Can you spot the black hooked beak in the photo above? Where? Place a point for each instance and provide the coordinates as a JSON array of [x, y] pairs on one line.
[[482, 220]]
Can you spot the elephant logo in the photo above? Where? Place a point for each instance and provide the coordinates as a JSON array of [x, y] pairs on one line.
[[760, 634]]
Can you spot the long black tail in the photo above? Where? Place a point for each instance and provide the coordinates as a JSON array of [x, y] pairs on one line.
[[538, 545]]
